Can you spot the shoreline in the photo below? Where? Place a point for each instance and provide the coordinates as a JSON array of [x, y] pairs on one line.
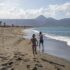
[[52, 46], [16, 54], [58, 48]]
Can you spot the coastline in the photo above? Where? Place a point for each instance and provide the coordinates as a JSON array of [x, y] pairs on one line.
[[52, 46], [16, 54], [57, 48]]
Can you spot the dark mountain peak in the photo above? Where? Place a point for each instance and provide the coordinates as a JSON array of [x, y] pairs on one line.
[[41, 17]]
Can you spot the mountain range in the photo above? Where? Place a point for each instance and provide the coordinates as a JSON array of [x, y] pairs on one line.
[[39, 21]]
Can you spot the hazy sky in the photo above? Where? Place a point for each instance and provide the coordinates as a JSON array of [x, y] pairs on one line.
[[32, 8]]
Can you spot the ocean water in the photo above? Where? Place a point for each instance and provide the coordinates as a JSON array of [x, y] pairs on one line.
[[56, 40], [58, 33]]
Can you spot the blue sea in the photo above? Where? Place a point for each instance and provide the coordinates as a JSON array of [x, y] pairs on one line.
[[56, 40]]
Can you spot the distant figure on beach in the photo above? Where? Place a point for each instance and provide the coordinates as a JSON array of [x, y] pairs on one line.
[[41, 41], [34, 44]]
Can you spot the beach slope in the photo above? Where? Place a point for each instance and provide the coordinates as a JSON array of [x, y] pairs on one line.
[[16, 53]]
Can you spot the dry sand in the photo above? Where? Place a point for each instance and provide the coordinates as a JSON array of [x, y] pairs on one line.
[[16, 53]]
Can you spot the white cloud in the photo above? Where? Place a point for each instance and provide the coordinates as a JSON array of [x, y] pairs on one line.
[[10, 10], [68, 14]]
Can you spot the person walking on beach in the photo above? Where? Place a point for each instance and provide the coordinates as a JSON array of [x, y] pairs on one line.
[[41, 41], [34, 44]]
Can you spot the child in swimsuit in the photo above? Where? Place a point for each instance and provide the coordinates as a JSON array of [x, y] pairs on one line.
[[34, 44]]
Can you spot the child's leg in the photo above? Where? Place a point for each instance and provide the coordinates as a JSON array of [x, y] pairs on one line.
[[39, 46], [35, 50], [42, 47]]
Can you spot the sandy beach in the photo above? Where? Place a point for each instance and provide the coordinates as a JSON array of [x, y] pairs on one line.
[[16, 53]]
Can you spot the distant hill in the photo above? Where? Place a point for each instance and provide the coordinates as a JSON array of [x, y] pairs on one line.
[[39, 21]]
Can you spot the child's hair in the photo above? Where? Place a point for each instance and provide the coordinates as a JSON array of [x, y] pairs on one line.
[[33, 35], [40, 32]]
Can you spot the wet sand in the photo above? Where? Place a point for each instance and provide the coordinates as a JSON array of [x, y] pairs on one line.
[[57, 48], [16, 53]]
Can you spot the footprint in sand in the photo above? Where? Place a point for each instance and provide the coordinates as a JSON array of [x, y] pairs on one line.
[[35, 59], [38, 65], [28, 66], [57, 68], [3, 69], [12, 69], [35, 68], [6, 66], [26, 60], [18, 59], [4, 58], [10, 63]]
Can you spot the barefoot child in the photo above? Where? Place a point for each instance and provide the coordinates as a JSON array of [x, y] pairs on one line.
[[34, 44], [41, 41]]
